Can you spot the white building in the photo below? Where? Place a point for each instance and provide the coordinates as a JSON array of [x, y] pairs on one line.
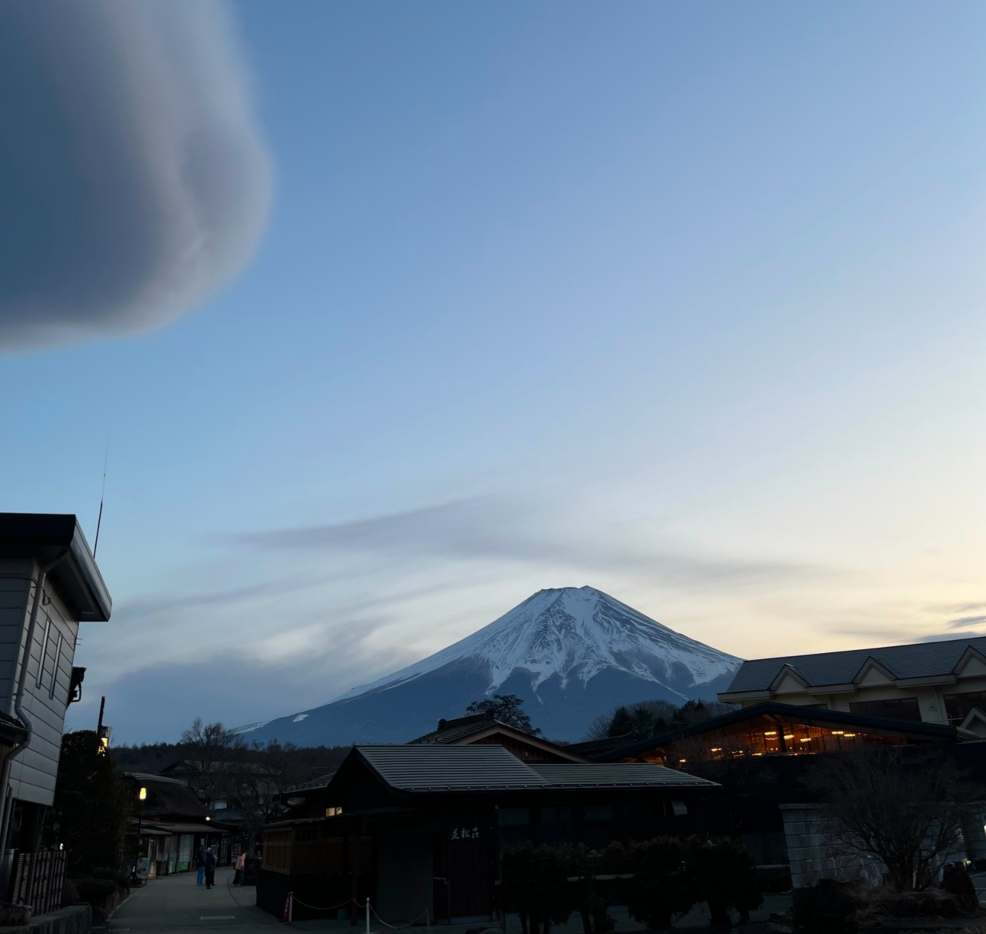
[[49, 584], [937, 682]]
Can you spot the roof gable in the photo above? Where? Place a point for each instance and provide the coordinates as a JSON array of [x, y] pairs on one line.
[[975, 722], [873, 673], [971, 664], [788, 681]]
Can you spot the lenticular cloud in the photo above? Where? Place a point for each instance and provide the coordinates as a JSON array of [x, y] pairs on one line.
[[134, 181]]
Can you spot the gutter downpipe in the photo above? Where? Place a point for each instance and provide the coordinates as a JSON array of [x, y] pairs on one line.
[[15, 709]]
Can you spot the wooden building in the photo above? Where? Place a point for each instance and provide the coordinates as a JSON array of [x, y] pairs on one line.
[[419, 828], [173, 825], [771, 729], [485, 730]]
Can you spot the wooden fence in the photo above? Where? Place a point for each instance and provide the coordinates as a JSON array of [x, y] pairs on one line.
[[37, 880]]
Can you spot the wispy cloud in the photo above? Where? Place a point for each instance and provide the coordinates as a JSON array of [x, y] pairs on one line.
[[133, 177], [236, 687], [945, 636], [966, 621], [511, 531]]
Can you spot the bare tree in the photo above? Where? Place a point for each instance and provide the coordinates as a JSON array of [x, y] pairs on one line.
[[270, 771], [209, 750], [904, 809], [599, 727]]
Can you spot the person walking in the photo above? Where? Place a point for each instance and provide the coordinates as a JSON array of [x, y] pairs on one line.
[[200, 865], [240, 866], [210, 868]]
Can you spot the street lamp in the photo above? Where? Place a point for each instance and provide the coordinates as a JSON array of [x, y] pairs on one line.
[[142, 797]]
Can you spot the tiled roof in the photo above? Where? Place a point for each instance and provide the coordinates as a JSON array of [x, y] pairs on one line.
[[433, 768], [455, 730], [922, 660], [492, 768], [619, 775]]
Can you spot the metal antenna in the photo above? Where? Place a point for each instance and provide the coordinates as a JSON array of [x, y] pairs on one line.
[[102, 496]]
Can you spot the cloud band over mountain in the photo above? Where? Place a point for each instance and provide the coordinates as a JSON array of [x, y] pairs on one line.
[[133, 177]]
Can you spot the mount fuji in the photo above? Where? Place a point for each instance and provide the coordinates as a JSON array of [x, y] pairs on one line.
[[570, 653]]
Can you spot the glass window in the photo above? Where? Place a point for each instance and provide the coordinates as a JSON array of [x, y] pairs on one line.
[[515, 826], [958, 706], [899, 708], [556, 825]]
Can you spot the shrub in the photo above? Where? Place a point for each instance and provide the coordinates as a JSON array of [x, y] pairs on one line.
[[122, 879], [95, 891], [587, 896], [535, 884], [956, 881], [70, 894], [725, 876], [661, 886], [826, 907], [885, 905]]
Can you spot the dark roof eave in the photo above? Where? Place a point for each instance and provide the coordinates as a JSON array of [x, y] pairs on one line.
[[48, 537], [885, 724]]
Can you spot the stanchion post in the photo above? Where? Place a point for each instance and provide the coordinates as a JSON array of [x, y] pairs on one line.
[[367, 914]]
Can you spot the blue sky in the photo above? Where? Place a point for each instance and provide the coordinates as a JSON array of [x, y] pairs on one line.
[[682, 301]]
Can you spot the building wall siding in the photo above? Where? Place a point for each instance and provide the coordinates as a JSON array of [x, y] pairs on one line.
[[16, 591], [34, 771], [405, 877], [930, 698]]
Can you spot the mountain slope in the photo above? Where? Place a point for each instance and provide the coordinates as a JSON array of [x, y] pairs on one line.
[[571, 653]]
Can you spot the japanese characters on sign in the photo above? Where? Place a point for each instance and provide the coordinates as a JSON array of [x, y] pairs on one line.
[[465, 833]]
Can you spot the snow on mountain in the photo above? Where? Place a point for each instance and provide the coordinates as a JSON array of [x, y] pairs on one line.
[[571, 632], [570, 653]]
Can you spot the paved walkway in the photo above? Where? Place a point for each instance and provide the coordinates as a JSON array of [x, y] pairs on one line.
[[177, 905]]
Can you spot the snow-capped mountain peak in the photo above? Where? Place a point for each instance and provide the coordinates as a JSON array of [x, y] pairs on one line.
[[570, 654], [571, 632]]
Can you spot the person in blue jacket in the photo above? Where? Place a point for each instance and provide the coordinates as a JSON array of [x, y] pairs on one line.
[[210, 868], [200, 864]]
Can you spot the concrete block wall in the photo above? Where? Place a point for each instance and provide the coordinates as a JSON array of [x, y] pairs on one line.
[[815, 855]]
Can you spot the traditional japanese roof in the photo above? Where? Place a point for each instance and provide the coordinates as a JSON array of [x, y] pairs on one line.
[[465, 730], [898, 663], [167, 797], [917, 731], [594, 748], [619, 775], [421, 768], [492, 768], [450, 732]]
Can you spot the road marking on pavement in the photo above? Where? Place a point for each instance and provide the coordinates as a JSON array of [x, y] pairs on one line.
[[217, 917]]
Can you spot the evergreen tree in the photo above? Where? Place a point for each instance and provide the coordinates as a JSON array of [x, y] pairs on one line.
[[93, 805], [506, 708], [622, 722]]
